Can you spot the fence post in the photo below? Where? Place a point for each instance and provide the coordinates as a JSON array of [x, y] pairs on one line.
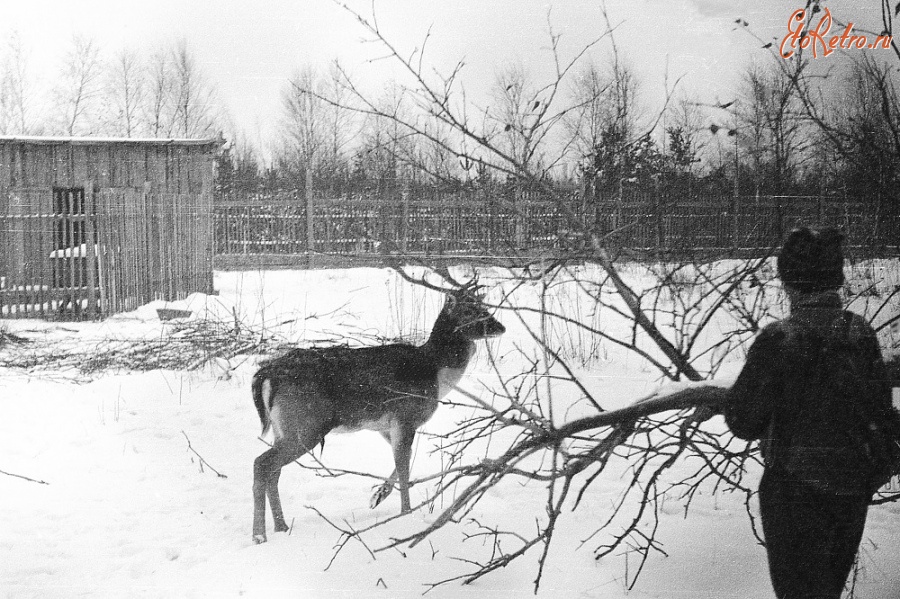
[[404, 218], [14, 271], [91, 253], [245, 228], [735, 225], [518, 215], [310, 233], [780, 209], [660, 240]]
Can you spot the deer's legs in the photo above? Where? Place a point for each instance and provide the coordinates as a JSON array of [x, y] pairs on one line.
[[272, 491], [262, 472], [275, 501], [400, 439], [296, 432], [385, 488], [401, 442], [266, 472]]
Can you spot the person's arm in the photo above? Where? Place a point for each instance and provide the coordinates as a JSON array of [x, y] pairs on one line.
[[758, 387]]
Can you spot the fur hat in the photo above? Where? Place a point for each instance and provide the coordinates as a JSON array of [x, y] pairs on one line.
[[812, 260]]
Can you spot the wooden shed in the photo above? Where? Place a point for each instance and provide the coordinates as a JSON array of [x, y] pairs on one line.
[[92, 226]]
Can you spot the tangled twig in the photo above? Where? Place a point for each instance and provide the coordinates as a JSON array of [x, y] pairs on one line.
[[201, 458], [187, 346], [40, 482]]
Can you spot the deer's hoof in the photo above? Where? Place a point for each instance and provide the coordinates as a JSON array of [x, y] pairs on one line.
[[259, 539], [281, 527], [380, 494]]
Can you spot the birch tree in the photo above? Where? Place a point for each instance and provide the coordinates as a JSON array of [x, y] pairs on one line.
[[79, 87], [193, 97], [17, 94], [126, 90]]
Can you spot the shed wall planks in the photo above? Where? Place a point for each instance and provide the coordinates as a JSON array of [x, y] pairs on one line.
[[144, 233]]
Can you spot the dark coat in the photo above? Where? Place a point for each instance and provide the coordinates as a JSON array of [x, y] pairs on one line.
[[764, 401]]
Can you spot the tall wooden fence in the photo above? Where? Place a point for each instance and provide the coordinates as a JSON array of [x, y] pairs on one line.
[[94, 254], [357, 226], [746, 225], [460, 226]]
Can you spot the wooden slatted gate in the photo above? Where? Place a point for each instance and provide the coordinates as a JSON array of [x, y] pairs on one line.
[[72, 255]]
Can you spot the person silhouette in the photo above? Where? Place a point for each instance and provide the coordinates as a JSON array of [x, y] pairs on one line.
[[818, 480]]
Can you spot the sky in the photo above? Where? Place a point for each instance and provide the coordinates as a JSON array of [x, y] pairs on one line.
[[249, 49]]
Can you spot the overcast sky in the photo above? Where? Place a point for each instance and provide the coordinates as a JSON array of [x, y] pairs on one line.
[[249, 48]]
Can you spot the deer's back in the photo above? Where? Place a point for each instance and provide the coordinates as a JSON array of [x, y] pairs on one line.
[[360, 387]]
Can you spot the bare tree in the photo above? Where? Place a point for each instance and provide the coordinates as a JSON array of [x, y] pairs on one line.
[[163, 96], [433, 159], [871, 123], [607, 97], [238, 172], [612, 145], [314, 133], [847, 125], [341, 129], [160, 95], [126, 93], [79, 87], [517, 114], [771, 110], [586, 124], [303, 122], [16, 88], [622, 94], [685, 128], [193, 97], [389, 151]]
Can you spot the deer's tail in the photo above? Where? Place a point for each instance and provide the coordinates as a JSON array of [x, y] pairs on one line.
[[263, 404]]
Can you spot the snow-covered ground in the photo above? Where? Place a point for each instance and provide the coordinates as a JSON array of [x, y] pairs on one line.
[[129, 510]]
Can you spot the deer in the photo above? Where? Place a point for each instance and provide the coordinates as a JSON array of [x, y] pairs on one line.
[[392, 389]]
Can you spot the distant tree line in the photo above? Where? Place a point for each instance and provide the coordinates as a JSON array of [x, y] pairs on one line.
[[162, 93], [792, 127], [786, 131]]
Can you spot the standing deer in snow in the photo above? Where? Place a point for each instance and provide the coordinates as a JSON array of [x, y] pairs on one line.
[[392, 389]]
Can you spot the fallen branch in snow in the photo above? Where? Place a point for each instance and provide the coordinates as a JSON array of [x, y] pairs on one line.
[[649, 435], [622, 423], [185, 346], [40, 482], [345, 537], [7, 337], [200, 457], [608, 433]]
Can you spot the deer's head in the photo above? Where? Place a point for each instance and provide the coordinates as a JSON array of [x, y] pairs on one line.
[[471, 317]]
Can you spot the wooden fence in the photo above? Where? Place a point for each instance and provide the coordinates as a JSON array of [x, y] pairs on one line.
[[70, 254], [447, 226], [459, 226], [747, 225], [98, 253]]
